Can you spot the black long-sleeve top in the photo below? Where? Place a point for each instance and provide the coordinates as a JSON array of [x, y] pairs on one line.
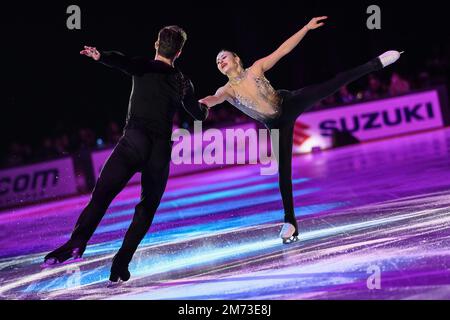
[[158, 91]]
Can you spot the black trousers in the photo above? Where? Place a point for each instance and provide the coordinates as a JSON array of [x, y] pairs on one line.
[[136, 151], [293, 105]]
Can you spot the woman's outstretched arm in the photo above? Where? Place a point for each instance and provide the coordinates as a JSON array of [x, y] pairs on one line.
[[264, 64], [220, 96]]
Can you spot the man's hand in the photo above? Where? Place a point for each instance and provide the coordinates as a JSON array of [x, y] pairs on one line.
[[316, 23], [91, 52]]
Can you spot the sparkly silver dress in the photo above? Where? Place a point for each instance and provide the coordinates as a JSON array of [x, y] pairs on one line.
[[255, 96]]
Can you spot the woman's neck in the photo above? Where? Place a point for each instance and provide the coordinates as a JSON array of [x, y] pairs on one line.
[[236, 75]]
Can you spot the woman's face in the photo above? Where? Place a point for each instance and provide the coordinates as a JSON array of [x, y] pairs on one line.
[[226, 62]]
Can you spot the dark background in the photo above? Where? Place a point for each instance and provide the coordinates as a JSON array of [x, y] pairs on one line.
[[48, 87]]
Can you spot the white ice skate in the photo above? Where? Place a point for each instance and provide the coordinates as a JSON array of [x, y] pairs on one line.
[[287, 233], [389, 57]]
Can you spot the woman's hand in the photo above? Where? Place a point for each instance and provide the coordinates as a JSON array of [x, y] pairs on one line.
[[316, 23], [207, 101], [91, 52]]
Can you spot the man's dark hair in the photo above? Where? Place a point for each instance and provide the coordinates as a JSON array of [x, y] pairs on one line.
[[171, 39]]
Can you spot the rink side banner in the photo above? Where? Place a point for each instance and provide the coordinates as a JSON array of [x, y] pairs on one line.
[[37, 182], [369, 120], [197, 142]]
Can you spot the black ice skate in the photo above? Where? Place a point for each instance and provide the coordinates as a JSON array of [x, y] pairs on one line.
[[119, 271], [67, 251]]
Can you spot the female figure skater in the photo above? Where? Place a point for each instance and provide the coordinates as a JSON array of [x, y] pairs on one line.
[[249, 91]]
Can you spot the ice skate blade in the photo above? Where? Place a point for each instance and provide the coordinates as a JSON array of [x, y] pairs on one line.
[[57, 259], [53, 262], [114, 284], [290, 240], [124, 277]]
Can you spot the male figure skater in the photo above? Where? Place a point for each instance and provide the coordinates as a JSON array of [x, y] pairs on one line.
[[249, 90], [159, 89]]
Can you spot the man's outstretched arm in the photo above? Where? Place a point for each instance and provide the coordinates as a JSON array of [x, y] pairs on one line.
[[113, 59]]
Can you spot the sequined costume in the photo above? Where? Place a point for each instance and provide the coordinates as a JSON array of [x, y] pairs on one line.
[[258, 99]]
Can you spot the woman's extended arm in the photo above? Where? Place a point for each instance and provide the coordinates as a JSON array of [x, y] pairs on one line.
[[264, 64], [220, 96]]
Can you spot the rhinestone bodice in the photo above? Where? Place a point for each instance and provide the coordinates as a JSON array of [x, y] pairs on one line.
[[255, 96]]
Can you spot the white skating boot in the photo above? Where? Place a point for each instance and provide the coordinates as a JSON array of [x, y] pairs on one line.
[[287, 233], [389, 57]]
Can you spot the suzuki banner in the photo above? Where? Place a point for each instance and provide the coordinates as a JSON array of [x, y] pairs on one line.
[[369, 120], [37, 182]]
